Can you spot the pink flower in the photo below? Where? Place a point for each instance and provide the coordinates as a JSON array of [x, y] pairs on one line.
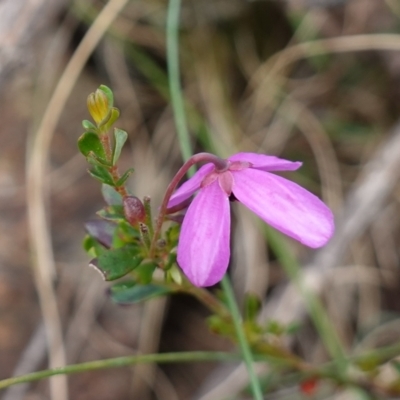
[[203, 249]]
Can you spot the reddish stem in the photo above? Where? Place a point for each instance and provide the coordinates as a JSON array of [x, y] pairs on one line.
[[220, 165], [105, 141]]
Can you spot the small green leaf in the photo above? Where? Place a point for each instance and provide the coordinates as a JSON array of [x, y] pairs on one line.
[[92, 159], [92, 246], [120, 137], [144, 272], [89, 126], [124, 177], [115, 263], [174, 274], [131, 292], [89, 142], [111, 196], [101, 173], [108, 92], [113, 116]]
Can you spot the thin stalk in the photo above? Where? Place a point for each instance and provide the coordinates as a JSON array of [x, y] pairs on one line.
[[174, 78], [194, 356], [197, 158], [243, 343]]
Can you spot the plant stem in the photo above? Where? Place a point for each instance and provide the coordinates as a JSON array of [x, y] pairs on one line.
[[174, 78], [121, 362], [207, 299], [200, 157], [243, 343]]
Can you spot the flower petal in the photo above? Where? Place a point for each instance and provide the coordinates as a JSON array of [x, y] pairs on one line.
[[190, 186], [266, 163], [203, 248], [285, 205]]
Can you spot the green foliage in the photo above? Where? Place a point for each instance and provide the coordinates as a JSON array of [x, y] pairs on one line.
[[116, 263], [92, 246], [109, 94], [102, 174], [88, 125], [112, 118], [111, 196], [121, 181], [144, 272], [120, 137], [131, 293], [89, 142]]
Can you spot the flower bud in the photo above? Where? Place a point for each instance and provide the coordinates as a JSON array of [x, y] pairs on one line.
[[98, 106], [133, 210]]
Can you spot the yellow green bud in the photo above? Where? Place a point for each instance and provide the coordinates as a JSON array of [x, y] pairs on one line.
[[99, 107]]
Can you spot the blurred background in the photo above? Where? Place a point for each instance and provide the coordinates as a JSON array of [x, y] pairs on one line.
[[311, 80]]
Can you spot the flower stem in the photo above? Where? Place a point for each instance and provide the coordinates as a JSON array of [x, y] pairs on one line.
[[121, 362], [197, 158], [207, 299], [243, 343]]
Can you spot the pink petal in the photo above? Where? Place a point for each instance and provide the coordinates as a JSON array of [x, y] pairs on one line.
[[266, 163], [190, 186], [203, 248], [285, 205]]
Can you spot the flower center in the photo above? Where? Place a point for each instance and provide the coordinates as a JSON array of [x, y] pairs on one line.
[[225, 177]]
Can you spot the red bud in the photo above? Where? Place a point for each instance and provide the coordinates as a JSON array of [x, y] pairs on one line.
[[133, 210]]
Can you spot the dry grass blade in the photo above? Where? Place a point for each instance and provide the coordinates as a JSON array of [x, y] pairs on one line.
[[268, 79], [40, 236]]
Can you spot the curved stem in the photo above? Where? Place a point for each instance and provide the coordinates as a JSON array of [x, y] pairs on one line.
[[207, 299], [219, 163], [243, 343]]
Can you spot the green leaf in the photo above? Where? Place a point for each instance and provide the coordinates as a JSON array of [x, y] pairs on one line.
[[124, 177], [130, 292], [89, 126], [174, 274], [92, 246], [113, 116], [120, 137], [111, 196], [108, 92], [92, 159], [115, 263], [144, 272], [126, 233], [89, 142], [101, 173]]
